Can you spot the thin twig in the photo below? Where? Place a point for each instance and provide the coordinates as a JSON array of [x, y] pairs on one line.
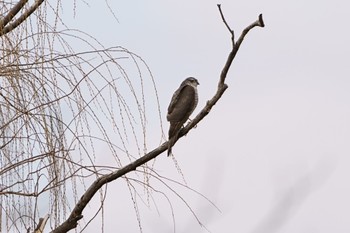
[[228, 27], [235, 46]]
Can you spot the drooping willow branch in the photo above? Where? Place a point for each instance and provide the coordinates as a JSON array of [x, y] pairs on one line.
[[76, 213]]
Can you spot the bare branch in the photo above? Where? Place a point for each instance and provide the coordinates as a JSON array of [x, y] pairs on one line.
[[13, 12], [76, 214], [235, 47], [226, 24], [258, 23]]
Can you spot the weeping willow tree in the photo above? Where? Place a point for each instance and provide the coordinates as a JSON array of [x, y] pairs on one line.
[[57, 105]]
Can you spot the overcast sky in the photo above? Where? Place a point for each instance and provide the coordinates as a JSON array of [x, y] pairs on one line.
[[274, 153]]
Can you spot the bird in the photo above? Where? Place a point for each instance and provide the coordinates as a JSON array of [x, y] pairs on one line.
[[182, 104]]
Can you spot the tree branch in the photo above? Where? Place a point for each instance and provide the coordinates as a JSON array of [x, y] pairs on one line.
[[41, 225], [76, 214], [226, 24], [6, 29], [235, 45], [15, 9]]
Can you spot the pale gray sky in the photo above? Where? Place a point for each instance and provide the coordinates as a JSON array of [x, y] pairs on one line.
[[274, 153]]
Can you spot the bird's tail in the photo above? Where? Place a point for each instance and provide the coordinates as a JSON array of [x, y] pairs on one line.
[[173, 135], [169, 150], [170, 145]]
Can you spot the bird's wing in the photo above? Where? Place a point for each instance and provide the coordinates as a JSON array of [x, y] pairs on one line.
[[182, 104], [174, 99]]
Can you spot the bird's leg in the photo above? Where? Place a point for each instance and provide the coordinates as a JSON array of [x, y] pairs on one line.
[[181, 130], [183, 127], [191, 121]]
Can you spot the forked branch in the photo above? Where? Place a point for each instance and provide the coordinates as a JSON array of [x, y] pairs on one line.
[[235, 44], [76, 214]]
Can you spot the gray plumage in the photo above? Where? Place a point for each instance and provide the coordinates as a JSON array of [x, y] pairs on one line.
[[183, 102]]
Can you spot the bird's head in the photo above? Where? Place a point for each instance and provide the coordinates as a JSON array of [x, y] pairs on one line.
[[190, 81]]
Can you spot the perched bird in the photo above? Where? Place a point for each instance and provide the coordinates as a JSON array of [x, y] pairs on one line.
[[183, 102]]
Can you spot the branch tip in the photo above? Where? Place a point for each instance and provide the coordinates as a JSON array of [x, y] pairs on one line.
[[226, 24], [261, 21]]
